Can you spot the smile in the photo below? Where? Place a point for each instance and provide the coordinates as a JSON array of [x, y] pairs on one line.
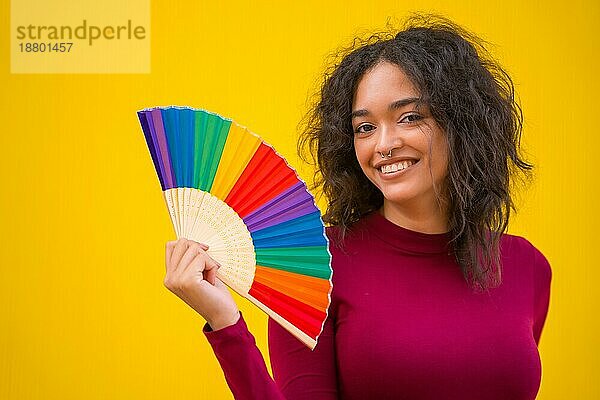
[[399, 166]]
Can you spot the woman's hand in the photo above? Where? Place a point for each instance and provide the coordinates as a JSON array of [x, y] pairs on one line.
[[192, 276]]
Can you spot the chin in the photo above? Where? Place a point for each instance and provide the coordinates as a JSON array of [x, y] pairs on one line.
[[399, 191], [399, 195]]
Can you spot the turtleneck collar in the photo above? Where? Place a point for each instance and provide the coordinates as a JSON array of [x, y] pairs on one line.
[[406, 239]]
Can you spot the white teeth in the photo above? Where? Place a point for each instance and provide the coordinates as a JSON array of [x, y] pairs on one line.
[[388, 169]]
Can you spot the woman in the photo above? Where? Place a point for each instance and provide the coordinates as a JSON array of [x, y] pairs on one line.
[[417, 142]]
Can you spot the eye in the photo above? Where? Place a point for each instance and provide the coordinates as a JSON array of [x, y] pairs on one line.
[[411, 118], [364, 128]]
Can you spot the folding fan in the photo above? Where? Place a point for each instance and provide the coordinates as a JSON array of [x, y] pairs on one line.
[[227, 188]]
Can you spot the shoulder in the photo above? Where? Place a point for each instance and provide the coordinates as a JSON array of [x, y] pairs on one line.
[[523, 254], [342, 243], [347, 243], [334, 234], [519, 250], [353, 234], [347, 249]]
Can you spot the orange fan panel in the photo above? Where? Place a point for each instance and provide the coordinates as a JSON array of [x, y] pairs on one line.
[[307, 289], [265, 176]]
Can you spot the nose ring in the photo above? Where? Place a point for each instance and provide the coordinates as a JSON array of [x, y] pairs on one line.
[[388, 155]]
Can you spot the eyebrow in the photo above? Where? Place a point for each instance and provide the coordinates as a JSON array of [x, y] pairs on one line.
[[393, 106]]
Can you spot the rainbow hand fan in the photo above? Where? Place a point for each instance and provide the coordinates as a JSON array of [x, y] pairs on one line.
[[227, 188]]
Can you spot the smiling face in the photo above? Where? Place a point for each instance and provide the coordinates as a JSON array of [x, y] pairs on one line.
[[386, 116]]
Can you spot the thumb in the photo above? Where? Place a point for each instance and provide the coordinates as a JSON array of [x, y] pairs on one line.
[[219, 284], [210, 272]]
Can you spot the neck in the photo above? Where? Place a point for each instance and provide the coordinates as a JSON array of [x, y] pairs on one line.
[[420, 217]]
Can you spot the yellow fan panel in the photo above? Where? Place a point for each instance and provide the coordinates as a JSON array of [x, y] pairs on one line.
[[239, 148]]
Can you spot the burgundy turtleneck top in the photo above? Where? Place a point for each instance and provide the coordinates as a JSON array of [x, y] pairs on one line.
[[404, 324]]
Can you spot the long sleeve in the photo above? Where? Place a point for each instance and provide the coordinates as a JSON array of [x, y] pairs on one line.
[[294, 365], [302, 373], [542, 280], [242, 363]]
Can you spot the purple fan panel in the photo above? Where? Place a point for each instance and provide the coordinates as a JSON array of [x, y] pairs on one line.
[[156, 148], [150, 139], [159, 132], [292, 203]]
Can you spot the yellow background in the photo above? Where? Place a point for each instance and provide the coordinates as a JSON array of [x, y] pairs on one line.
[[83, 308]]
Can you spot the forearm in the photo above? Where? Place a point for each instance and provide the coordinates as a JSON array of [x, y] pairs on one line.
[[242, 363]]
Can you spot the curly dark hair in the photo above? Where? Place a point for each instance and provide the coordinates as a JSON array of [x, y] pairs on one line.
[[470, 96]]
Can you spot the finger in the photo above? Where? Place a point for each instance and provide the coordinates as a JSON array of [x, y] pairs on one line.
[[194, 269], [210, 272], [219, 283], [169, 252], [198, 266], [192, 251], [180, 248], [203, 245]]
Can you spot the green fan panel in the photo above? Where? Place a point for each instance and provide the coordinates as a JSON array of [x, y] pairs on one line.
[[311, 261], [210, 132]]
